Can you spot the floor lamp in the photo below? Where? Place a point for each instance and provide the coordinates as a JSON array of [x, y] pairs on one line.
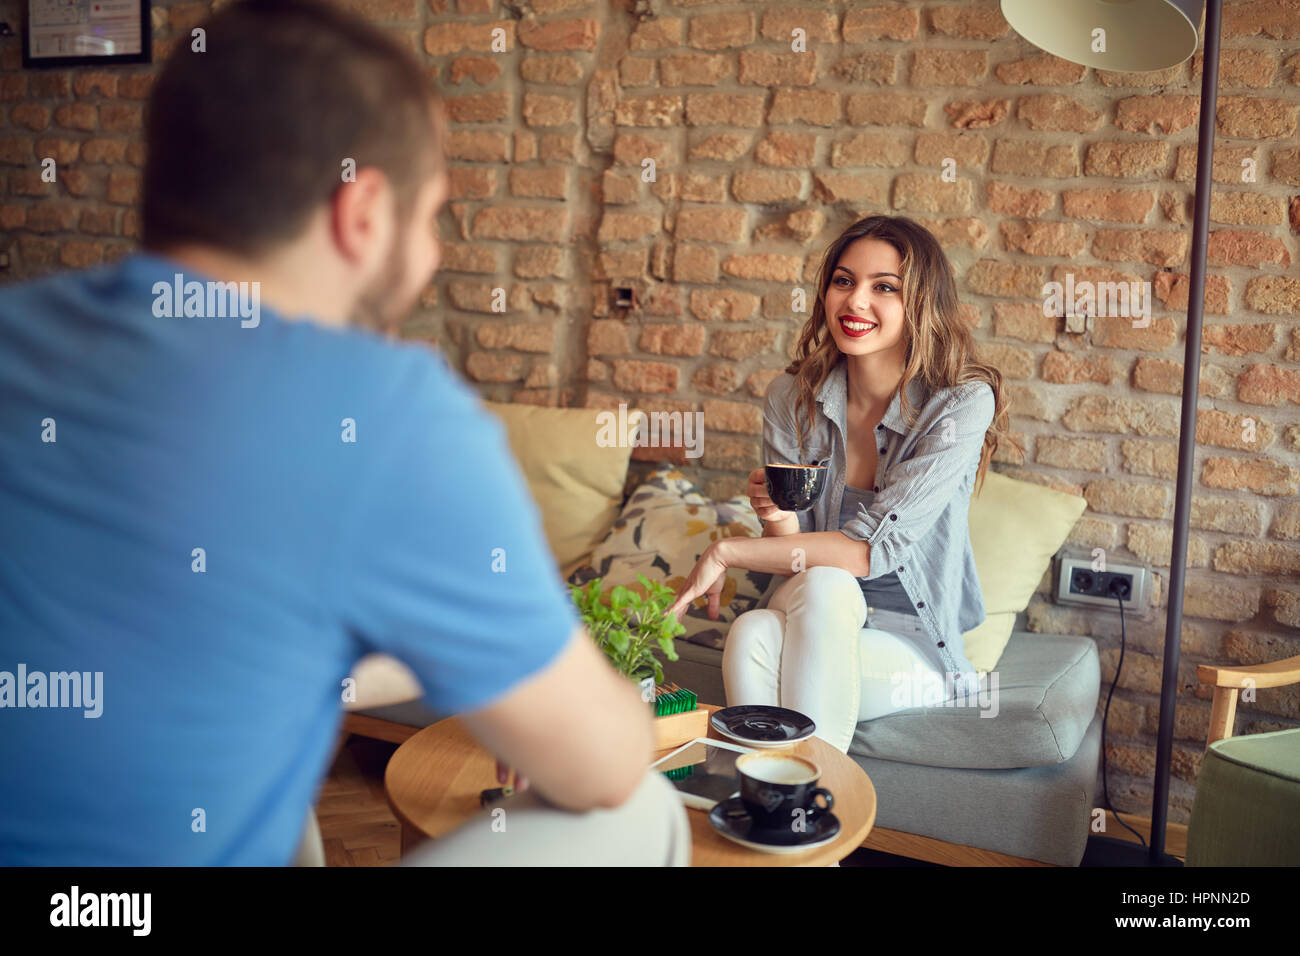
[[1137, 36]]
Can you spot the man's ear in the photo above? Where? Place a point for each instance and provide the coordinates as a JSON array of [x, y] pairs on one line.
[[361, 217]]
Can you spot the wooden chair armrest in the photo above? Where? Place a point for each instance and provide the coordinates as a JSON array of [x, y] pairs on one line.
[[1273, 674]]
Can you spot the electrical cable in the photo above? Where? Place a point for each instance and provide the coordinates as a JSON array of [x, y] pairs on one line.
[[1117, 589]]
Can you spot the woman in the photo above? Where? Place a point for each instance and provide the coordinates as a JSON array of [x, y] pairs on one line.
[[885, 386]]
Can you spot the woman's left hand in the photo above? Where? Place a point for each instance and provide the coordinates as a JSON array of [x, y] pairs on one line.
[[707, 577]]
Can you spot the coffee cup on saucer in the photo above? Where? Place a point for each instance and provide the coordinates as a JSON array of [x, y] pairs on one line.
[[779, 789]]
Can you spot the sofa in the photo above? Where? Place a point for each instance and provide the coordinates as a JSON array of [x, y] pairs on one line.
[[954, 787]]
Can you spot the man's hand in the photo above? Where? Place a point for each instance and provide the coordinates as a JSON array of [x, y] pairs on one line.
[[707, 577], [503, 777]]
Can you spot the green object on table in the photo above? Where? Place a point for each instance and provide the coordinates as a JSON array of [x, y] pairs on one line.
[[671, 699]]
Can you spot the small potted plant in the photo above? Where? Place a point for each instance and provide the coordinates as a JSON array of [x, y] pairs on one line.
[[630, 626]]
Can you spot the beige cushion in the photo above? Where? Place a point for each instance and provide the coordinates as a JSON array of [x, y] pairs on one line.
[[576, 483], [1015, 529]]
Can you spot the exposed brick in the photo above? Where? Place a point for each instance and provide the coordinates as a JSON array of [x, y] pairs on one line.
[[731, 305], [766, 186], [31, 116], [1025, 321], [1166, 376], [969, 22], [1247, 209], [524, 337], [451, 37], [1041, 69], [1268, 385], [1238, 339], [1112, 205], [762, 68], [561, 70], [1018, 201], [718, 378], [1255, 117], [672, 339], [1274, 295], [926, 192], [789, 150], [851, 187], [490, 107], [1154, 544], [1166, 113], [657, 34], [1105, 413], [880, 23], [1088, 454], [557, 35], [1011, 360], [478, 146], [1248, 68], [540, 109], [869, 149], [885, 109], [1007, 280], [1052, 111], [724, 109], [535, 262], [1032, 158], [1043, 238], [481, 69], [1227, 168], [1141, 245], [1258, 475], [520, 222], [1257, 557], [768, 266], [1237, 247], [977, 114], [694, 263], [744, 417], [814, 107], [880, 68], [471, 182], [1172, 288], [695, 69], [738, 345], [1138, 500], [778, 23], [483, 367], [932, 67], [1072, 368], [1146, 160], [647, 377], [969, 150], [77, 116], [720, 31]]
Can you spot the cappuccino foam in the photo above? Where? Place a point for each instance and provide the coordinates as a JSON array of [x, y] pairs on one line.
[[775, 769]]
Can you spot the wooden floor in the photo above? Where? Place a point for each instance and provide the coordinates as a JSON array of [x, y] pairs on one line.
[[356, 825]]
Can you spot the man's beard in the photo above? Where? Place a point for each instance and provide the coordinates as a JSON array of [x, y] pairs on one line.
[[378, 307]]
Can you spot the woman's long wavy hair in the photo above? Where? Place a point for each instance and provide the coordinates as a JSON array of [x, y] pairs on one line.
[[940, 346]]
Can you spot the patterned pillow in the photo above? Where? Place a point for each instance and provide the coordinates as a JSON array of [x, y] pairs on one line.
[[662, 531]]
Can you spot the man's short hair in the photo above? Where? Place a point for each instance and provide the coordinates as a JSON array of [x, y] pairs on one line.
[[247, 139]]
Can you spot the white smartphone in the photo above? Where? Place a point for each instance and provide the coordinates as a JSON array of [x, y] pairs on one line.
[[703, 771]]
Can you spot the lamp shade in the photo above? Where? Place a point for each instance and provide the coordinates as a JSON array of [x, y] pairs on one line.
[[1137, 36]]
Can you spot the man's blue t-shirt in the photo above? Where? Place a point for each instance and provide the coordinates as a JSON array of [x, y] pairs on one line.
[[221, 520]]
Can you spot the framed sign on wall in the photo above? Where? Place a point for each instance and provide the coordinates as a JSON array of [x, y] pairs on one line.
[[78, 32]]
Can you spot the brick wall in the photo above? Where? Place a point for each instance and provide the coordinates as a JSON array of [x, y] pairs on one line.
[[761, 154]]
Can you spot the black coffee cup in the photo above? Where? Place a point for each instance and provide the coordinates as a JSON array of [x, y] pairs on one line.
[[794, 487], [779, 789]]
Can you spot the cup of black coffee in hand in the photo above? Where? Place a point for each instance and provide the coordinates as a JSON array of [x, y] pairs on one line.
[[794, 487]]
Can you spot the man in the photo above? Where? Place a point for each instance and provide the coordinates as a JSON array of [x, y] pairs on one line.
[[222, 485]]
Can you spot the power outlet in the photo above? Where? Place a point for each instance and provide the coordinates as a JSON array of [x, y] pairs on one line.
[[1084, 580]]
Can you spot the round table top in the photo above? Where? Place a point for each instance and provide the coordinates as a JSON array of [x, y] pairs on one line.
[[434, 779]]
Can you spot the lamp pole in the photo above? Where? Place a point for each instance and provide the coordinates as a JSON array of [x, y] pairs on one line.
[[1187, 427]]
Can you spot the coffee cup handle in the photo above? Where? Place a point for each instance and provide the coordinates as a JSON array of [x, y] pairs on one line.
[[830, 800]]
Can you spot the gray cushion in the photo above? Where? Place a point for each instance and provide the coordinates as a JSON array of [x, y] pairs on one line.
[[1048, 685]]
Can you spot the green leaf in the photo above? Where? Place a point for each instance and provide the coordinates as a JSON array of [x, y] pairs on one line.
[[619, 639]]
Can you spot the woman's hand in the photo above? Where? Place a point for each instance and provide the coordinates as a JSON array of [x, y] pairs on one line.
[[763, 505], [707, 577]]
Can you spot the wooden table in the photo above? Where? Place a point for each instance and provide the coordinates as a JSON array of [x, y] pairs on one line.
[[434, 779]]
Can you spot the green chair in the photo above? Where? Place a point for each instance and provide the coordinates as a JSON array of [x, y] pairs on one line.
[[1247, 806]]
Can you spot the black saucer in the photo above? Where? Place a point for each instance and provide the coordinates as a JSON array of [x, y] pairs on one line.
[[731, 818], [760, 725]]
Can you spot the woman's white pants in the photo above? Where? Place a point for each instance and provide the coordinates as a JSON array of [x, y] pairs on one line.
[[809, 650]]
